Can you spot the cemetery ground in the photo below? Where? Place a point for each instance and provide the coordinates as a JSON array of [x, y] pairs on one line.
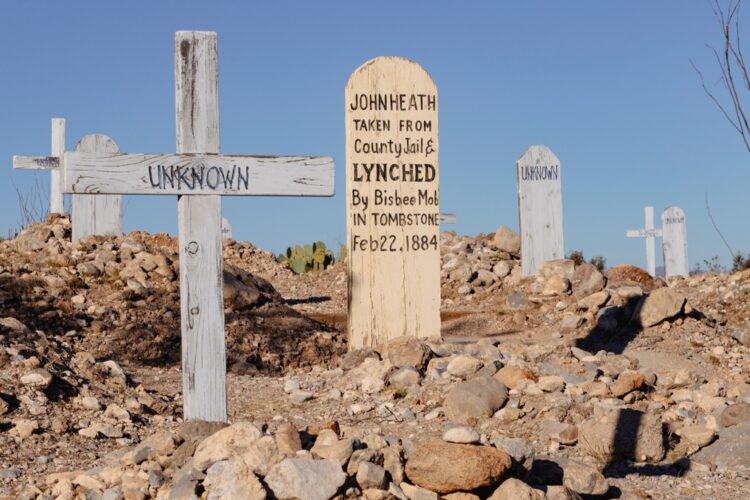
[[567, 385]]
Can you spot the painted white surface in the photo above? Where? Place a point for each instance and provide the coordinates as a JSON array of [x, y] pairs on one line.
[[674, 242], [199, 174], [539, 177], [394, 288], [199, 220], [650, 234], [93, 214]]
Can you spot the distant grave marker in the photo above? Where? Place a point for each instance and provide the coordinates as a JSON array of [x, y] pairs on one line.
[[650, 234], [199, 175], [674, 242], [392, 200], [226, 228], [51, 163], [96, 214], [447, 218], [538, 176], [90, 215]]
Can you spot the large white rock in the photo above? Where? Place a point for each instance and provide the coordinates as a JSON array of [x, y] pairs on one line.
[[298, 478]]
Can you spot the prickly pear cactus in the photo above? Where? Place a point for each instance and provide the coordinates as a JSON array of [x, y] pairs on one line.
[[301, 259]]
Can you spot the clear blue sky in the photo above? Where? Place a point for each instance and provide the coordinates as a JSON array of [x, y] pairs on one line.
[[606, 85]]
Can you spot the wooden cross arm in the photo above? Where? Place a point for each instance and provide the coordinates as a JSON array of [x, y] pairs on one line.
[[193, 174], [642, 233], [36, 162]]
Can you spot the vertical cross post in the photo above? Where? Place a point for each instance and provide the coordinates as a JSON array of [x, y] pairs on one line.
[[199, 218], [650, 234], [56, 197]]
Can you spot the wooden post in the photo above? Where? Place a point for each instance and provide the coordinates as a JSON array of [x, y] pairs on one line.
[[674, 242], [56, 197], [540, 211], [199, 176], [201, 264], [392, 199], [96, 214]]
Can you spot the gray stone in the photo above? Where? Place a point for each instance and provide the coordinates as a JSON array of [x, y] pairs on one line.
[[404, 378], [731, 450], [501, 269], [557, 267], [297, 478], [660, 305], [735, 414], [517, 301], [623, 433], [370, 475], [475, 399], [408, 351], [518, 448], [229, 479], [463, 366], [461, 434], [583, 479], [587, 280], [515, 489]]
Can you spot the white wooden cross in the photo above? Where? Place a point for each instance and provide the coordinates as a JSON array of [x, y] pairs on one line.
[[90, 214], [446, 218], [51, 163], [199, 176], [650, 234]]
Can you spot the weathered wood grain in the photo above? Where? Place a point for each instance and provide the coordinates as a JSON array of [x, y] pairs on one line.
[[540, 210], [199, 218], [36, 162], [56, 196], [94, 214], [674, 242], [199, 174], [394, 284]]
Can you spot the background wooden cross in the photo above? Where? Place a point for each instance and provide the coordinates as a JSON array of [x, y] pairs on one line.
[[51, 163], [199, 176], [650, 234]]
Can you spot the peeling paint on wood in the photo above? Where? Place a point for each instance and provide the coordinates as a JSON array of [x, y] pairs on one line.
[[199, 218], [540, 210], [393, 210], [91, 214], [199, 174]]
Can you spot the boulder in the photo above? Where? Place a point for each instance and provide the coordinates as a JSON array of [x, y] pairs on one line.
[[475, 399], [232, 479], [731, 450], [623, 433], [735, 414], [447, 467], [507, 240], [226, 443], [408, 351], [583, 479], [660, 305], [297, 478], [563, 268], [587, 280], [515, 489]]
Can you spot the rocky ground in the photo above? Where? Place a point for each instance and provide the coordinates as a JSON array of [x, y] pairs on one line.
[[573, 384]]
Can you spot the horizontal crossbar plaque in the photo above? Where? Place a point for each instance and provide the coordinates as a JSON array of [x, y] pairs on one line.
[[185, 174]]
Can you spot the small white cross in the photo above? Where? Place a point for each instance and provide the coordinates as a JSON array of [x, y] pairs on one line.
[[650, 234]]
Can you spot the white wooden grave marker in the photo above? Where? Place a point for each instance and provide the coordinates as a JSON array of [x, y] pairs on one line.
[[226, 228], [446, 218], [674, 242], [392, 200], [650, 234], [538, 176], [94, 214], [90, 214], [51, 163], [199, 176]]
